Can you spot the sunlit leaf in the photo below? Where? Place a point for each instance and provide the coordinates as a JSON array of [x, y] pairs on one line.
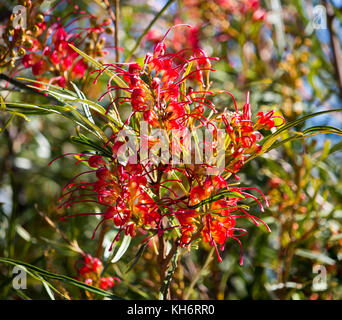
[[122, 249], [63, 278]]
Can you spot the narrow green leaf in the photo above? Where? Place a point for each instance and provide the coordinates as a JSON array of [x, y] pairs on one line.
[[122, 249], [99, 65], [216, 197], [48, 85], [89, 143], [2, 104], [63, 278], [308, 133], [163, 293], [84, 105], [268, 141], [315, 256], [138, 255], [7, 123], [48, 290]]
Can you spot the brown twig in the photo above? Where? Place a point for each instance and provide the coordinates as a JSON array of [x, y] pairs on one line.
[[198, 274], [116, 31], [111, 13], [335, 46]]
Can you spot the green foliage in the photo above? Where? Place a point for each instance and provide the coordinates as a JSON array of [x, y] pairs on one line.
[[299, 168]]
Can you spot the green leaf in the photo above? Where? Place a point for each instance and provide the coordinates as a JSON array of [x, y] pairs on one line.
[[268, 141], [163, 293], [99, 65], [81, 139], [315, 256], [84, 105], [22, 295], [216, 197], [2, 104], [123, 248], [336, 147], [62, 278], [48, 290], [7, 123], [138, 255], [48, 85], [308, 133]]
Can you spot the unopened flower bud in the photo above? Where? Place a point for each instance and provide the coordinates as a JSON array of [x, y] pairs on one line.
[[109, 30], [35, 29], [106, 21], [21, 52], [28, 44], [40, 18], [10, 31]]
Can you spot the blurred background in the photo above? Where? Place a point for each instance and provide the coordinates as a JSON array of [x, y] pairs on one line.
[[286, 53]]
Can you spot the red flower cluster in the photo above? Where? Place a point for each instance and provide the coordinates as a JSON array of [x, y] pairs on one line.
[[90, 273], [244, 134], [49, 51], [167, 73], [214, 220], [162, 197], [58, 56], [120, 191], [243, 7]]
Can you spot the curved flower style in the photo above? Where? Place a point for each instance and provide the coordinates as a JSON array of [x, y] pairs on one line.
[[170, 92]]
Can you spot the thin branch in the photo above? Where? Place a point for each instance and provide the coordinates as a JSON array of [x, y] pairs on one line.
[[147, 29], [73, 243], [198, 274], [111, 13], [116, 31], [335, 46]]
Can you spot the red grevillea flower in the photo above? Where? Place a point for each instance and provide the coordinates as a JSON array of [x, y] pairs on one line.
[[50, 51], [120, 191], [89, 271], [58, 56], [170, 93]]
